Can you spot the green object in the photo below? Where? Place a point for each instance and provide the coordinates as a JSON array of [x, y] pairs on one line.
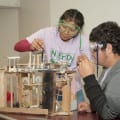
[[80, 43]]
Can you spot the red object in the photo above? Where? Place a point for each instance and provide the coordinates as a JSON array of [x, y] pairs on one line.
[[9, 96], [22, 46]]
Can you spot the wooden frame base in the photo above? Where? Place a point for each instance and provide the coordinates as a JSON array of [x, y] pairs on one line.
[[36, 111]]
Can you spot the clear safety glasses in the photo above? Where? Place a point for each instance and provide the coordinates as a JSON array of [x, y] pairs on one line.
[[95, 46]]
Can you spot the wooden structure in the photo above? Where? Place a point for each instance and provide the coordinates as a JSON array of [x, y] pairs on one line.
[[33, 90], [2, 88]]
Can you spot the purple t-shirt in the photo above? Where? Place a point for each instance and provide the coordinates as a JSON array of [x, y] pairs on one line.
[[58, 50]]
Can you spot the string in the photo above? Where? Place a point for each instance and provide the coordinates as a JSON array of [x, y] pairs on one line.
[[80, 43], [97, 67]]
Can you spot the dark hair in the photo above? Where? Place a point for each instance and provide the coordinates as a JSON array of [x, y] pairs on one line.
[[73, 15], [107, 32]]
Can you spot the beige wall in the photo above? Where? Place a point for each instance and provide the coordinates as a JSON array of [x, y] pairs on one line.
[[95, 11], [34, 14], [8, 33], [17, 23]]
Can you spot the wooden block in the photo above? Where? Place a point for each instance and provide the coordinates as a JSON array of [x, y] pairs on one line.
[[66, 98], [2, 88], [61, 113], [36, 111]]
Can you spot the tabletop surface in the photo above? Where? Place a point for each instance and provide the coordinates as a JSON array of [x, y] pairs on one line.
[[75, 116]]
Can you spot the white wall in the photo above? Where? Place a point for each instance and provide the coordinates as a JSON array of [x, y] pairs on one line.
[[94, 11]]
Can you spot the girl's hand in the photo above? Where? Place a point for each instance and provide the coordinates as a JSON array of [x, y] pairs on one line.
[[37, 44]]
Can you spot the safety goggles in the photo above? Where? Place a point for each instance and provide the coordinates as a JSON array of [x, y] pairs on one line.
[[95, 46], [68, 28]]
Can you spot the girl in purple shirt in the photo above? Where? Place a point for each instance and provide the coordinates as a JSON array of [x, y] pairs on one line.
[[61, 43]]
